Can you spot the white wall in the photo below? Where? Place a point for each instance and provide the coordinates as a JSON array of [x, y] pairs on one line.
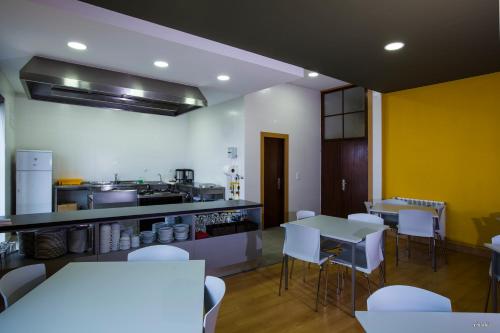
[[292, 110], [377, 145], [8, 145], [211, 131], [95, 143]]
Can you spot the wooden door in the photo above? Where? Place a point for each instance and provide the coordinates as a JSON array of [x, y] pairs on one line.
[[274, 178], [344, 177], [354, 182]]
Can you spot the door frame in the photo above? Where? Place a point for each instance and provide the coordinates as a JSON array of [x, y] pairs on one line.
[[263, 136]]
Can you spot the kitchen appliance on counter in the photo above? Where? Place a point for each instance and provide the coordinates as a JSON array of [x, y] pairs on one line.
[[184, 176], [203, 191], [33, 181]]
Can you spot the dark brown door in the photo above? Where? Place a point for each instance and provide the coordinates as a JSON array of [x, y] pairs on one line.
[[274, 172], [345, 177]]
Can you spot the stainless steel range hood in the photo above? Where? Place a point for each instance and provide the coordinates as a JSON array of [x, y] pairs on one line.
[[62, 82]]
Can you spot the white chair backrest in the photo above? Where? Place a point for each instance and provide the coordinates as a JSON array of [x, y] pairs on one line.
[[496, 241], [215, 289], [302, 242], [303, 214], [159, 253], [18, 282], [416, 222], [363, 217], [373, 250], [407, 299], [398, 202]]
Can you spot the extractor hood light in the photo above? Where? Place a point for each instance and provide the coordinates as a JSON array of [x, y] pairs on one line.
[[161, 64], [77, 46], [394, 46], [313, 74], [223, 77]]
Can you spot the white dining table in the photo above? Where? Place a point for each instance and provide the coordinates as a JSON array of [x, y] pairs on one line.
[[495, 250], [106, 297], [344, 231], [428, 322]]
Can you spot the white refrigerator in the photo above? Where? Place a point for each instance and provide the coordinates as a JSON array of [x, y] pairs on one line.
[[33, 181]]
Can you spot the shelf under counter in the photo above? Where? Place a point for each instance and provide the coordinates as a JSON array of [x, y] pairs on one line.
[[224, 254]]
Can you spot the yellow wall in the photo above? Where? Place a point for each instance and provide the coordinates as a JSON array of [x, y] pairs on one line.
[[442, 142]]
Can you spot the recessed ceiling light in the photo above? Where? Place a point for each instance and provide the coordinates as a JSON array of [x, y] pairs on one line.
[[77, 46], [394, 46], [223, 77], [312, 74], [160, 63]]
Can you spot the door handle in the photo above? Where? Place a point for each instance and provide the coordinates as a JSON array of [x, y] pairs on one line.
[[279, 183], [343, 184]]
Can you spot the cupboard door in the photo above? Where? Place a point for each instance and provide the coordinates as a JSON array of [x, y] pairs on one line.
[[331, 194]]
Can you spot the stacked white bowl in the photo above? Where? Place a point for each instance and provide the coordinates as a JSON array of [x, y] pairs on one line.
[[115, 236], [105, 238], [147, 236], [124, 242], [165, 235], [181, 231], [135, 241]]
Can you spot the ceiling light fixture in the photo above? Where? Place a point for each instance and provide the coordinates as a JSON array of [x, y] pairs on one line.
[[312, 74], [223, 77], [161, 64], [394, 46], [77, 46]]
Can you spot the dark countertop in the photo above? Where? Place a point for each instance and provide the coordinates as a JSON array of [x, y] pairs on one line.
[[33, 221]]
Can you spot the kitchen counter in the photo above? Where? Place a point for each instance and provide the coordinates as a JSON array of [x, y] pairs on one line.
[[33, 221]]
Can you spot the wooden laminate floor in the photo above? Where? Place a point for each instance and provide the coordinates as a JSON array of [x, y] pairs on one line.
[[252, 303]]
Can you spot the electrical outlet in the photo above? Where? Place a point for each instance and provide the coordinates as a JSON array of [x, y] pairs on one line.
[[297, 176]]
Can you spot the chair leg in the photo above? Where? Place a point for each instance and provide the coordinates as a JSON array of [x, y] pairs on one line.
[[487, 296], [434, 263], [397, 249], [327, 266], [368, 280], [291, 268], [430, 245], [339, 288], [304, 272], [281, 275], [409, 247], [381, 276], [319, 285]]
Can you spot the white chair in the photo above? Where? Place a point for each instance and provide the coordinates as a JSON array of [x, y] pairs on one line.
[[496, 241], [300, 215], [215, 289], [303, 214], [363, 217], [407, 299], [368, 218], [368, 206], [416, 223], [159, 253], [18, 282], [303, 243], [368, 257], [392, 220]]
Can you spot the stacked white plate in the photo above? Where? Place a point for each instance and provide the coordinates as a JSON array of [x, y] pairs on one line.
[[105, 238], [147, 237], [165, 234], [124, 242], [181, 231], [115, 236]]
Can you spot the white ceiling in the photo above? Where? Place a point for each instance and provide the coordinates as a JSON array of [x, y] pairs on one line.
[[122, 43]]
